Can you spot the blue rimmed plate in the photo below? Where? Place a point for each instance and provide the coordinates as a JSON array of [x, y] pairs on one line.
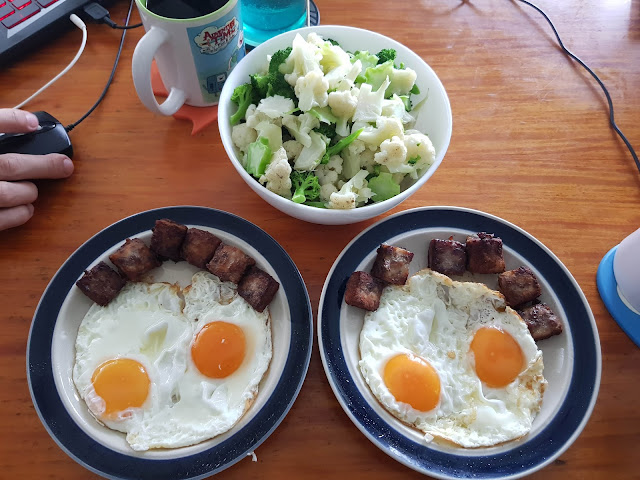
[[50, 353], [572, 360]]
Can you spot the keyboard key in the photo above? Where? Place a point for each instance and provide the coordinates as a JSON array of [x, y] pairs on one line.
[[5, 11], [20, 4], [21, 15], [45, 3]]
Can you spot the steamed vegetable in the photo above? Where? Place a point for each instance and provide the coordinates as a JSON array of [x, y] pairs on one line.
[[328, 128]]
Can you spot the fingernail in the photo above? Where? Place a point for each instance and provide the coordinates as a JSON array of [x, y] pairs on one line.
[[32, 120], [67, 167]]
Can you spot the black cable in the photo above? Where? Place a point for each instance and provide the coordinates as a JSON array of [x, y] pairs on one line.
[[70, 127], [114, 25], [604, 89]]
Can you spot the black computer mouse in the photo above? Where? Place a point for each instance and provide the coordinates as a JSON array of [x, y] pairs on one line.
[[51, 137]]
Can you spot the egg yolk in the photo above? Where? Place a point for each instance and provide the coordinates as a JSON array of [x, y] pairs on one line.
[[218, 349], [413, 380], [498, 357], [122, 383]]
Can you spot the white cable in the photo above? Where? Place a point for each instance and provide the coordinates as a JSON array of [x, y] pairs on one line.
[[77, 21]]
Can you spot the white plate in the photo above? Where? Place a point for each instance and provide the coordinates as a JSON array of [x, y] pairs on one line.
[[51, 351], [572, 360]]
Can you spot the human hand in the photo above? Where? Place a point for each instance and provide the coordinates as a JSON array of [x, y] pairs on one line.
[[16, 194]]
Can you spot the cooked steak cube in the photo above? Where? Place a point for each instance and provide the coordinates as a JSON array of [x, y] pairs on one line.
[[448, 257], [541, 320], [392, 264], [484, 253], [134, 259], [167, 238], [101, 283], [199, 246], [519, 286], [258, 288], [363, 291], [229, 263]]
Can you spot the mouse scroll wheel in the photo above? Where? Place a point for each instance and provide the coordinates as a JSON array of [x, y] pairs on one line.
[[45, 125]]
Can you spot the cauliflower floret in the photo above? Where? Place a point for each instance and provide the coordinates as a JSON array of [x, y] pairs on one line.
[[393, 154], [394, 107], [329, 172], [271, 132], [386, 127], [420, 151], [326, 190], [293, 148], [311, 156], [276, 176], [311, 90], [275, 106], [304, 58], [369, 106], [402, 80], [254, 117], [242, 135], [352, 193], [343, 105], [300, 126]]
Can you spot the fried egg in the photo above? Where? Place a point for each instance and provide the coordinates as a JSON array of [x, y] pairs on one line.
[[172, 368], [228, 353], [131, 353], [450, 359]]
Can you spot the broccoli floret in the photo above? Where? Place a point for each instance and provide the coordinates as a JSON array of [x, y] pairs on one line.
[[326, 129], [337, 148], [260, 84], [279, 86], [273, 83], [383, 186], [367, 59], [258, 157], [385, 55], [305, 186], [278, 59], [241, 96]]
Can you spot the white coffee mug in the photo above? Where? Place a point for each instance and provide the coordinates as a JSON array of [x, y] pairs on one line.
[[194, 56]]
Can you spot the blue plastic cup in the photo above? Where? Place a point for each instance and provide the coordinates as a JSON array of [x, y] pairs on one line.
[[263, 19]]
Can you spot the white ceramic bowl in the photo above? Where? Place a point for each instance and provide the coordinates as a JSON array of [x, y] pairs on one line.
[[434, 119]]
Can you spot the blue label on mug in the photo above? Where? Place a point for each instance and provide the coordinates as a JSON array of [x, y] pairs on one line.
[[217, 47]]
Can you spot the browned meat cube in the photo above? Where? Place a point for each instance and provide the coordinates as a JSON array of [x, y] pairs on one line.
[[392, 264], [167, 238], [199, 246], [134, 259], [101, 283], [519, 286], [258, 288], [484, 253], [363, 291], [229, 263], [447, 256], [541, 320]]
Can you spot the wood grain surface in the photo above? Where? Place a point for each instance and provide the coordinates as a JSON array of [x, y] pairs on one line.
[[531, 143]]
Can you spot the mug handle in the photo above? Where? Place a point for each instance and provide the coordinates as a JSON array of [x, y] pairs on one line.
[[141, 70]]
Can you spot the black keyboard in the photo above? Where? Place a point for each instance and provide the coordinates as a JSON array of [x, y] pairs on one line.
[[29, 24]]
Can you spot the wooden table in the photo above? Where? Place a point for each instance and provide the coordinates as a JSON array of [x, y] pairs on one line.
[[531, 143]]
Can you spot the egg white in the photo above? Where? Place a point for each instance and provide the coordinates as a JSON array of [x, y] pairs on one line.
[[155, 324], [436, 318], [206, 407], [144, 323]]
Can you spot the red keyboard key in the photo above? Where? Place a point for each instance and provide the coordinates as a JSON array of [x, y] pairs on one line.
[[21, 15], [2, 2], [45, 3], [5, 11], [20, 4]]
